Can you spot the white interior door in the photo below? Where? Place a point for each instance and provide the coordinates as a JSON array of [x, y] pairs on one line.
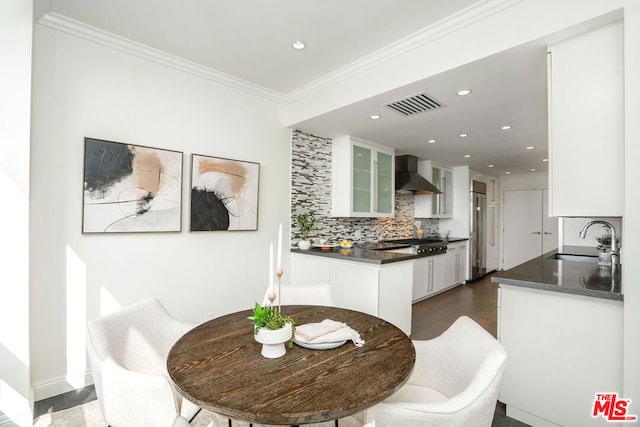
[[549, 225], [522, 226]]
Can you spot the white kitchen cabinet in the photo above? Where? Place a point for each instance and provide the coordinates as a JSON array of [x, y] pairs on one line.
[[428, 276], [436, 205], [586, 129], [442, 206], [421, 282], [382, 290], [560, 359], [362, 178], [455, 264]]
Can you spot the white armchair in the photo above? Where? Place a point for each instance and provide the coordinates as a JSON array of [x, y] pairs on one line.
[[303, 295], [455, 381], [128, 355]]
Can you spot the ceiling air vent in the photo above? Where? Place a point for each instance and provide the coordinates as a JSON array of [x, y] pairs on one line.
[[414, 104]]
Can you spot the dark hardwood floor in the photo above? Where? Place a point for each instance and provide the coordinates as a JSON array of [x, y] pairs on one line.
[[478, 300]]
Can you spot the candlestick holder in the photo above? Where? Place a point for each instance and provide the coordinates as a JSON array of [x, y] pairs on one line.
[[272, 298]]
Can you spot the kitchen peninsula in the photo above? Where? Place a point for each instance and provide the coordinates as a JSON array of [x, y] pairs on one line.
[[560, 320], [382, 278]]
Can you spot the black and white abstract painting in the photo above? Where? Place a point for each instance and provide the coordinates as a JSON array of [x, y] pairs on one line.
[[131, 188], [224, 194]]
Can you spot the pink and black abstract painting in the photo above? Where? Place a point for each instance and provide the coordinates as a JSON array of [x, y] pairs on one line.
[[131, 188], [224, 194]]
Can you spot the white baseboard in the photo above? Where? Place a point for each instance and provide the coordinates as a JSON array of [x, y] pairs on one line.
[[527, 418], [61, 385]]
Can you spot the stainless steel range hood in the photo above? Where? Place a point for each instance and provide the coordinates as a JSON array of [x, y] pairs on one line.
[[408, 180]]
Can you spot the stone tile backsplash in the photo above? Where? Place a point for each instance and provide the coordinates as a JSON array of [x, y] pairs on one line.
[[311, 191]]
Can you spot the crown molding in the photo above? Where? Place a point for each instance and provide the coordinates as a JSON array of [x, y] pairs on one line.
[[79, 29], [448, 25]]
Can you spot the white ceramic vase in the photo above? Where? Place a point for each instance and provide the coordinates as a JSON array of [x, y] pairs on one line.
[[304, 244], [273, 340]]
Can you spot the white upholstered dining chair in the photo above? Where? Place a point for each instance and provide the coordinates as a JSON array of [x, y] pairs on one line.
[[455, 381], [304, 295], [128, 355]]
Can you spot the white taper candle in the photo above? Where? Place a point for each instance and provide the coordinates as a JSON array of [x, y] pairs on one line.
[[279, 263], [271, 267]]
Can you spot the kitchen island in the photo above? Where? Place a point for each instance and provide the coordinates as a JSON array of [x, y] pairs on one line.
[[560, 320], [377, 277]]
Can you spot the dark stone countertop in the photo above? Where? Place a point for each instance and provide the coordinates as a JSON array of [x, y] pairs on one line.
[[573, 277], [372, 252]]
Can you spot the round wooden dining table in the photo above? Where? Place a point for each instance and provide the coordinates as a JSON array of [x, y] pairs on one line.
[[218, 366]]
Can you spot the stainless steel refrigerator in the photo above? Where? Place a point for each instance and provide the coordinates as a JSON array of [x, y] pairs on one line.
[[477, 243]]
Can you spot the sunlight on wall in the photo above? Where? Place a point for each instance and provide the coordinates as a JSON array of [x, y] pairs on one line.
[[13, 252], [14, 301], [76, 319], [108, 303], [15, 405]]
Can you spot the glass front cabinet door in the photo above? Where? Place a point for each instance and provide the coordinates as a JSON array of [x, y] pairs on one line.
[[443, 203], [436, 205], [362, 179]]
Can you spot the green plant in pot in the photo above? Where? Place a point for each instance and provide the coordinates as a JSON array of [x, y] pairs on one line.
[[306, 221], [272, 329], [604, 241]]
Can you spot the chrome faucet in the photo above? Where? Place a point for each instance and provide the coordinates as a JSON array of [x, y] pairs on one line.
[[614, 243]]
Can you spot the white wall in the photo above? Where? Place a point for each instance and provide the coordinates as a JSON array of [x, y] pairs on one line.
[[82, 88], [529, 181], [15, 104], [510, 24]]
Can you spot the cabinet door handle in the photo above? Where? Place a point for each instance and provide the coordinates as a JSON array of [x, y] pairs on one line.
[[430, 275], [536, 232], [547, 232]]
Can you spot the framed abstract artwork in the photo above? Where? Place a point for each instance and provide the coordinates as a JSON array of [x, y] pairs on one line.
[[130, 188], [224, 194]]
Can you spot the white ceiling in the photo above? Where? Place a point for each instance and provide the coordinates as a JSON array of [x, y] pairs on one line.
[[251, 40]]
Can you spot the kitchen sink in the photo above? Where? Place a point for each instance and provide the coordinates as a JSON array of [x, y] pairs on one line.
[[576, 258]]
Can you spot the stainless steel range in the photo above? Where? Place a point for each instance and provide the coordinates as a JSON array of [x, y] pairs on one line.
[[422, 246]]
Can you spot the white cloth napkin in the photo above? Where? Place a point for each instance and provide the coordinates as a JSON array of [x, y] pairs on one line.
[[327, 331]]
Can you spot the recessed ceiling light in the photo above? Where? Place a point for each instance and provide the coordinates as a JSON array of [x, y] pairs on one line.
[[463, 92], [532, 169], [463, 135], [531, 147], [505, 127], [545, 160], [491, 166], [467, 155], [375, 116], [298, 45], [507, 173], [432, 141]]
